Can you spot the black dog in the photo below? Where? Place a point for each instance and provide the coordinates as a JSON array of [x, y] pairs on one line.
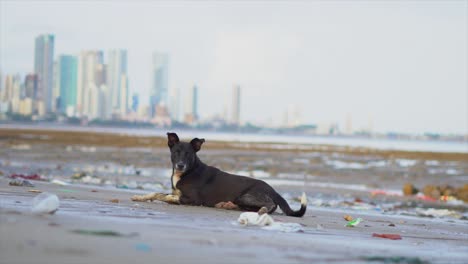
[[195, 183]]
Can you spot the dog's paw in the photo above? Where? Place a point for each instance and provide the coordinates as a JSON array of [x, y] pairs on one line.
[[227, 205], [138, 198]]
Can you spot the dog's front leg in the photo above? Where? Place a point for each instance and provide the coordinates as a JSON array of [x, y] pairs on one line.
[[149, 197], [172, 199]]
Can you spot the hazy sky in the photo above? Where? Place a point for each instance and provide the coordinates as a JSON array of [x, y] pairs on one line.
[[401, 64]]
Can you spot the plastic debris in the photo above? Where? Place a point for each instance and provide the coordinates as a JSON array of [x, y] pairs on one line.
[[59, 182], [78, 175], [387, 236], [34, 191], [354, 222], [102, 233], [284, 227], [45, 203], [34, 177], [409, 189], [21, 182], [261, 218], [348, 218], [255, 219], [114, 200], [431, 212]]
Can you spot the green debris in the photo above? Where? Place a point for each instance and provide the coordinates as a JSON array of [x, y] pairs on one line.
[[396, 259], [108, 233], [354, 222]]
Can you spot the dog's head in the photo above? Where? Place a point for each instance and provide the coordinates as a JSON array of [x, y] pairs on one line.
[[183, 154]]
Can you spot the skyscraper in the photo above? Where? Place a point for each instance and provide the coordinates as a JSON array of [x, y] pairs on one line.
[[195, 102], [191, 114], [159, 75], [43, 67], [88, 62], [67, 74], [117, 82], [236, 105], [30, 85]]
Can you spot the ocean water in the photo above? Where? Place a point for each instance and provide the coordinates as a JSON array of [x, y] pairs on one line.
[[384, 144]]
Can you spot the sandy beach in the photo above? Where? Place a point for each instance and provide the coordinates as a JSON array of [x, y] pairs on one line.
[[94, 176]]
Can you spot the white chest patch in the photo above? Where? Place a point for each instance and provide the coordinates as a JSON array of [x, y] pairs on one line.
[[176, 178]]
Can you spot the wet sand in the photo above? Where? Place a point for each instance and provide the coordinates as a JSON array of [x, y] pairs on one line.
[[162, 233], [165, 233]]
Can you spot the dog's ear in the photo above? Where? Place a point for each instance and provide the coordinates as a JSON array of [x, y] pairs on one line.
[[196, 143], [172, 139]]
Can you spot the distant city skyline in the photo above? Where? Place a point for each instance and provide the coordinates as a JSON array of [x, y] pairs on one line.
[[395, 66]]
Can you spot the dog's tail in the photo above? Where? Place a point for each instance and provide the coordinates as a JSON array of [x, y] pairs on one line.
[[285, 206]]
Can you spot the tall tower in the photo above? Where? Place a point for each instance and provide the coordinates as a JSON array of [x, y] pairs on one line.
[[195, 102], [30, 85], [68, 70], [88, 63], [236, 105], [117, 82], [43, 67], [191, 114], [159, 86]]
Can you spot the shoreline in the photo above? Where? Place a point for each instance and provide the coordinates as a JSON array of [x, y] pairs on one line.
[[120, 140]]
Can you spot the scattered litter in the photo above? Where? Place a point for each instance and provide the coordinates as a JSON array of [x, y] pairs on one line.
[[320, 227], [391, 224], [354, 222], [114, 200], [78, 175], [387, 236], [284, 227], [143, 247], [263, 219], [348, 218], [21, 182], [109, 233], [45, 203], [431, 212], [451, 200], [398, 259], [34, 191], [409, 189], [91, 180], [94, 191], [59, 182], [34, 177], [255, 219]]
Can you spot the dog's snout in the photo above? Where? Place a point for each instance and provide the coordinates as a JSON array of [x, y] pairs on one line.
[[180, 166]]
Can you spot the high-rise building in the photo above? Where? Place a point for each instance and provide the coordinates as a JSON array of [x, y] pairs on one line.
[[160, 81], [236, 105], [88, 64], [117, 82], [67, 79], [191, 115], [43, 67], [123, 105], [30, 86], [195, 102], [174, 104], [135, 103]]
